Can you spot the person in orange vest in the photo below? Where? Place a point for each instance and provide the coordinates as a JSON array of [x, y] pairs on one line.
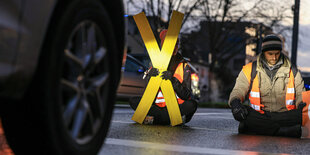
[[274, 87], [179, 74]]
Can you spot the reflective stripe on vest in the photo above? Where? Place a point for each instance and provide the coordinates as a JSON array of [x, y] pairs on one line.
[[254, 95], [160, 101], [290, 93]]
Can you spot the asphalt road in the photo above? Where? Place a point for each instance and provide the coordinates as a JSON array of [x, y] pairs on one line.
[[211, 131]]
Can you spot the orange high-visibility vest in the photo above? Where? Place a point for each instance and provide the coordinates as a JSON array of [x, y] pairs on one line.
[[254, 95], [160, 100]]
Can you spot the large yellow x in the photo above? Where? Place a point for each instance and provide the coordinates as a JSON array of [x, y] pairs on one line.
[[160, 60]]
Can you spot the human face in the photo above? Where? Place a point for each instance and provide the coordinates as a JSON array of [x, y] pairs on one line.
[[272, 57]]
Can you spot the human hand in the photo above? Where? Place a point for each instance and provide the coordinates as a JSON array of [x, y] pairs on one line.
[[166, 75], [238, 110], [153, 72]]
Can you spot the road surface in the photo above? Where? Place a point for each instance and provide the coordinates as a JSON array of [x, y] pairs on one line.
[[211, 131]]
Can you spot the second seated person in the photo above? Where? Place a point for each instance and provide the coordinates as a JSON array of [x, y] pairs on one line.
[[179, 74]]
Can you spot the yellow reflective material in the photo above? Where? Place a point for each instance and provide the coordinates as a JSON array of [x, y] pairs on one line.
[[160, 60], [171, 103]]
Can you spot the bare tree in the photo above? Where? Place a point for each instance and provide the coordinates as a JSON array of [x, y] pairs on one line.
[[221, 17], [222, 28], [219, 27], [159, 11], [227, 18]]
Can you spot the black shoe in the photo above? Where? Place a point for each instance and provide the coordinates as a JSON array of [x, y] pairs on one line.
[[242, 128], [292, 131], [148, 120]]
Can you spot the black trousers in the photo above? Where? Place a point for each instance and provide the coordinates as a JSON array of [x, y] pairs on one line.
[[160, 114], [286, 123]]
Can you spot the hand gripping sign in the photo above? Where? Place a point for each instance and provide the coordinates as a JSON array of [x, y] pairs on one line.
[[160, 59]]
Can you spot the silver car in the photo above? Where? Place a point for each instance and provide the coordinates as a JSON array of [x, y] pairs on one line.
[[60, 63], [132, 83]]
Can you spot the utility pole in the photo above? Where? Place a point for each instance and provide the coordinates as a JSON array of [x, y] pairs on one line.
[[259, 45], [295, 32]]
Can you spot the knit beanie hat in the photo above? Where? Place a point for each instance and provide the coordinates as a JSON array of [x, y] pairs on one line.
[[271, 42]]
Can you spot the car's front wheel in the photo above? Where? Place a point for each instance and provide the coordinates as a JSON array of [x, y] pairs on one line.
[[68, 107]]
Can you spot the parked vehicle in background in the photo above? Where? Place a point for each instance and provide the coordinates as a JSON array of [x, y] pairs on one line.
[[143, 58], [203, 85], [195, 81], [132, 83], [307, 86], [60, 64], [306, 77]]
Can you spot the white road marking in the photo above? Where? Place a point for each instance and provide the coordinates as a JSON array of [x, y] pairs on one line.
[[206, 113], [176, 148], [191, 127], [209, 129], [198, 113], [216, 115], [124, 122], [220, 117], [123, 111], [122, 106]]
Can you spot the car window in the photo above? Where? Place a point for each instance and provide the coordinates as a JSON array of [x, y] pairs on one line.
[[132, 66]]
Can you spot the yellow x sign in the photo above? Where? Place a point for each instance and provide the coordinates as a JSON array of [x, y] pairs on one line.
[[160, 60]]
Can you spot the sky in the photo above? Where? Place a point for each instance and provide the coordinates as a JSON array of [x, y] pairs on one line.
[[303, 54]]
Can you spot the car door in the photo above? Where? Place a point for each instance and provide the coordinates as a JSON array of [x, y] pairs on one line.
[[132, 82]]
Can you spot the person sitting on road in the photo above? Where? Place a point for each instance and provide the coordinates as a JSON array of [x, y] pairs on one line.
[[179, 74], [274, 86]]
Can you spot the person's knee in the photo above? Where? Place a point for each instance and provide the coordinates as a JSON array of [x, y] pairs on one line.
[[191, 105], [188, 108]]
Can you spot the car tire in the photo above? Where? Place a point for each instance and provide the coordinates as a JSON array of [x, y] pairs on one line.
[[68, 106]]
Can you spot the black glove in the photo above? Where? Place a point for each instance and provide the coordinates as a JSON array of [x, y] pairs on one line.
[[301, 105], [153, 72], [238, 110], [166, 75]]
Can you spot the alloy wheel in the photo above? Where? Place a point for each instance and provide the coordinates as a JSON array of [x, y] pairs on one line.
[[84, 82]]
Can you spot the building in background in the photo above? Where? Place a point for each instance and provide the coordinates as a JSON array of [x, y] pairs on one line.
[[232, 43]]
